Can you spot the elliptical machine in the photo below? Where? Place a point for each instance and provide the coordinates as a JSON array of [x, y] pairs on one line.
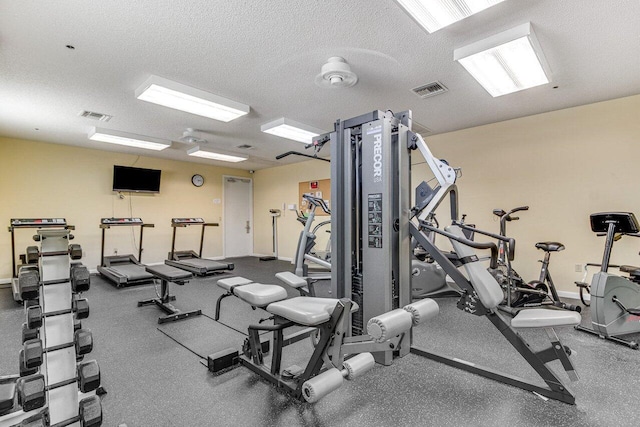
[[518, 293], [307, 241], [615, 300], [428, 279]]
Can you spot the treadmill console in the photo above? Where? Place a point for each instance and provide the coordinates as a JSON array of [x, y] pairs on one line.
[[187, 221], [121, 221], [38, 222], [625, 222]]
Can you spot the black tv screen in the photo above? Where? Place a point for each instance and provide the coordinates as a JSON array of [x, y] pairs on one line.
[[136, 179]]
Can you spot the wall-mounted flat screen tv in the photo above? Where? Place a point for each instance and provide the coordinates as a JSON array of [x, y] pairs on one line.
[[136, 179]]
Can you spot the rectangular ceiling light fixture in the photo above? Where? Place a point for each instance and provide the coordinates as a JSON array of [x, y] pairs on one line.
[[436, 14], [290, 129], [128, 139], [191, 100], [506, 62], [197, 152]]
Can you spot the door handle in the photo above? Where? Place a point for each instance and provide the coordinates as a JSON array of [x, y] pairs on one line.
[[248, 227]]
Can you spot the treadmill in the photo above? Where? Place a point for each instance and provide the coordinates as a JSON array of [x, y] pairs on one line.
[[29, 260], [189, 260], [123, 270]]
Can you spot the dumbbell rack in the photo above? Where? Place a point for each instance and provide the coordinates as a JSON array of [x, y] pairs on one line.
[[61, 346]]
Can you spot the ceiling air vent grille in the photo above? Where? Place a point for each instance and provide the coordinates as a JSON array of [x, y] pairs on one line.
[[95, 116], [245, 147], [429, 90]]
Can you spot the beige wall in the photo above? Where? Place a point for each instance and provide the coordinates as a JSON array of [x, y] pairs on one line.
[[275, 187], [51, 180], [564, 164]]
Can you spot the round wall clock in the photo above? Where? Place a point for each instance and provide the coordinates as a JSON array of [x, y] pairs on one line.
[[197, 180]]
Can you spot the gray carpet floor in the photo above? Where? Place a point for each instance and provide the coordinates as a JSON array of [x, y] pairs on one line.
[[154, 375]]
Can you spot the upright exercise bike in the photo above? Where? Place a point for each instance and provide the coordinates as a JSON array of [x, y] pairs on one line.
[[305, 252], [615, 300], [518, 293]]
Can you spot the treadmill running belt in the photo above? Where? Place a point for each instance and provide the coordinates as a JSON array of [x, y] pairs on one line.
[[132, 271], [205, 264]]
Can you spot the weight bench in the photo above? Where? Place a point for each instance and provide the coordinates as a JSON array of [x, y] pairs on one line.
[[327, 366], [168, 274], [481, 296], [305, 287], [256, 295]]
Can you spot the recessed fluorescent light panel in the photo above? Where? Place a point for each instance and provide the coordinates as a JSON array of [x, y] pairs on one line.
[[506, 62], [435, 14], [191, 100], [197, 152], [289, 129], [128, 139]]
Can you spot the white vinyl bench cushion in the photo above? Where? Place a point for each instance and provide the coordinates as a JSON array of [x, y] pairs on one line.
[[291, 279], [308, 311], [543, 318], [231, 282], [259, 295]]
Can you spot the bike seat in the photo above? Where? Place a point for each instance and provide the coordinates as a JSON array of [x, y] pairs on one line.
[[630, 269], [550, 246]]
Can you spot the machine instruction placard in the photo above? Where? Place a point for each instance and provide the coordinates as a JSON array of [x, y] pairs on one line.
[[374, 224]]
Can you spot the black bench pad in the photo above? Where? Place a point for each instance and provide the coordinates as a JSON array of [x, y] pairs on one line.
[[168, 273]]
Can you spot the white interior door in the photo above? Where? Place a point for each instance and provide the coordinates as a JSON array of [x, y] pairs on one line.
[[238, 216]]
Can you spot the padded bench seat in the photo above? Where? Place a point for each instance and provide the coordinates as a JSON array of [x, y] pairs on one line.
[[169, 273], [259, 295], [544, 318], [291, 279], [231, 282], [308, 311], [255, 294]]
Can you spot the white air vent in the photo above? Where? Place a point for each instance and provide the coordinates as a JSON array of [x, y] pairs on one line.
[[420, 129], [95, 116], [245, 147], [431, 89]]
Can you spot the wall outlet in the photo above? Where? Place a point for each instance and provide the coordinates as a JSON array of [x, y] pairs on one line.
[[292, 207], [578, 268]]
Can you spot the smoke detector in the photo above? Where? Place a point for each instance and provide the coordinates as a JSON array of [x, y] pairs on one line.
[[190, 136], [336, 73]]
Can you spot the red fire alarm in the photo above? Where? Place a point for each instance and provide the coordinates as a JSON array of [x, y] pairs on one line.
[[313, 185]]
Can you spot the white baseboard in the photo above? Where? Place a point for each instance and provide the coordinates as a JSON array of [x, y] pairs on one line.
[[573, 295], [5, 281]]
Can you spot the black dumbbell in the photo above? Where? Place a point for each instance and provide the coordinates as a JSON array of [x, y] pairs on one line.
[[34, 316], [32, 255], [29, 334], [80, 278], [88, 376], [81, 308], [31, 392], [30, 357], [29, 283], [83, 341], [90, 412], [75, 251]]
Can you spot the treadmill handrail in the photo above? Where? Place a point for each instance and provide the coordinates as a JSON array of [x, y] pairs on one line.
[[104, 227], [175, 225]]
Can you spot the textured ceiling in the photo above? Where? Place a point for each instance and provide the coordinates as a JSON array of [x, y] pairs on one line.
[[266, 53]]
